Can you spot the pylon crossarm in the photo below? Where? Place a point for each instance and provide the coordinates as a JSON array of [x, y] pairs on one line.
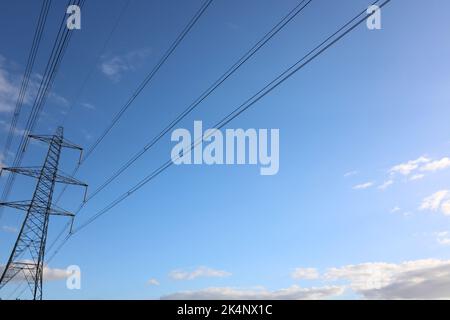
[[20, 205], [67, 144], [57, 211], [48, 139], [26, 204], [34, 172], [64, 142], [63, 178], [43, 138]]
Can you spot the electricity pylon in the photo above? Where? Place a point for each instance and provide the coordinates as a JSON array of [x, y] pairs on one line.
[[27, 256]]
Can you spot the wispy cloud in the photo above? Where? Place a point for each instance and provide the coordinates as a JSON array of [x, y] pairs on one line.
[[10, 229], [395, 209], [416, 177], [198, 273], [443, 238], [5, 127], [350, 173], [9, 87], [419, 279], [305, 274], [441, 164], [386, 184], [60, 101], [153, 282], [10, 83], [88, 106], [420, 166], [233, 26], [86, 134], [438, 201], [412, 170], [115, 66], [407, 167], [2, 159], [362, 186], [227, 293]]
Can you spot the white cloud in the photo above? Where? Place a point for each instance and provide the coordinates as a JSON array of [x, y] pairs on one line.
[[2, 159], [50, 274], [443, 238], [438, 201], [420, 279], [9, 89], [60, 100], [305, 273], [86, 134], [386, 185], [434, 201], [445, 207], [363, 185], [233, 26], [442, 234], [4, 126], [422, 164], [114, 67], [417, 177], [226, 293], [436, 165], [395, 209], [444, 241], [350, 173], [9, 229], [88, 106], [10, 84], [153, 282], [197, 273], [407, 167]]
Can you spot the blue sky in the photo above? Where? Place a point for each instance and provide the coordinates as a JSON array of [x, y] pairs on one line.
[[371, 111]]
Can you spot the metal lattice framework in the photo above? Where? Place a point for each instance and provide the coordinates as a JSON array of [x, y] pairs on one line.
[[27, 256]]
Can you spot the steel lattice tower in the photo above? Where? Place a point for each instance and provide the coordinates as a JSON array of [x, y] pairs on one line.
[[27, 256]]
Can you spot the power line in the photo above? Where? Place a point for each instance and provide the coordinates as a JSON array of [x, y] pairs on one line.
[[58, 45], [300, 64], [26, 77], [149, 77], [90, 73], [141, 87], [268, 36], [243, 107], [57, 53], [253, 50]]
